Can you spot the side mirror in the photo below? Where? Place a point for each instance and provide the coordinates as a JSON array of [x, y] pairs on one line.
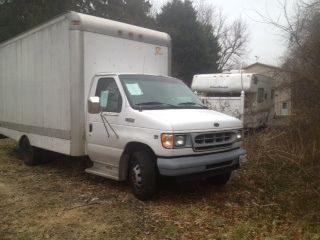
[[94, 105]]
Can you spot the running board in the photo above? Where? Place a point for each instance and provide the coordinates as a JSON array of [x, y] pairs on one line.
[[103, 170]]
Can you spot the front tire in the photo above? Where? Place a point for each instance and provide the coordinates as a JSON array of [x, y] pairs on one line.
[[220, 180], [143, 175]]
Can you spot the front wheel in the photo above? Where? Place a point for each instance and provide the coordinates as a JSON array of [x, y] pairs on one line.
[[220, 180], [143, 175]]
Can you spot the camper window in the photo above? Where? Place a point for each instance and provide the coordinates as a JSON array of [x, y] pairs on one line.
[[284, 105], [272, 94], [260, 95]]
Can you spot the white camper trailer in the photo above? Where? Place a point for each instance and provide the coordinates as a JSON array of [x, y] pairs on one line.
[[82, 85], [247, 96]]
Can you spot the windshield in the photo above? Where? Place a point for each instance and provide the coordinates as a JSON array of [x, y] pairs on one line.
[[157, 92]]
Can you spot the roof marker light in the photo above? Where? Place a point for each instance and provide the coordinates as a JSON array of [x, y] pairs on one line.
[[75, 22]]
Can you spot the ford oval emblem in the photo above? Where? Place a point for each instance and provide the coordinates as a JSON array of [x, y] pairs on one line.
[[216, 124]]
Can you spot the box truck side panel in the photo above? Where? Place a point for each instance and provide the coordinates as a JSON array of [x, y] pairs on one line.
[[103, 53], [34, 84]]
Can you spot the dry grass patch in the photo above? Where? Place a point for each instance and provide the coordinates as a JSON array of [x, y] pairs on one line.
[[274, 197]]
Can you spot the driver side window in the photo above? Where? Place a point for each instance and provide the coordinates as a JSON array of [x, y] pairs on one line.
[[108, 92]]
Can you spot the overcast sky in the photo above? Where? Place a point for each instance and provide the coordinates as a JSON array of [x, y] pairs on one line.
[[266, 42]]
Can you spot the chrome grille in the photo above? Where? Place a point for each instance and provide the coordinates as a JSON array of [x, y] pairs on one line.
[[213, 140]]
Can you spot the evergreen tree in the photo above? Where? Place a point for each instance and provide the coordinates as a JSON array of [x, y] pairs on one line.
[[137, 12], [195, 48], [17, 16], [129, 11], [20, 15]]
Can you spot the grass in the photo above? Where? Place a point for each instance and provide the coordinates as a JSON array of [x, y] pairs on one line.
[[276, 196]]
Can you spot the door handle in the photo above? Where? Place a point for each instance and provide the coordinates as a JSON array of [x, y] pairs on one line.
[[90, 127]]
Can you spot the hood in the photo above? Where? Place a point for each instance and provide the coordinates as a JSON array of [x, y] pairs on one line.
[[195, 119]]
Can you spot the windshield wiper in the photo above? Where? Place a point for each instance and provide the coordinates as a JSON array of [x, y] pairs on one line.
[[154, 103], [192, 104]]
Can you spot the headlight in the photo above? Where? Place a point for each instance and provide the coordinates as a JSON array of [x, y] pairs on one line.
[[170, 141], [239, 135], [179, 140], [167, 140]]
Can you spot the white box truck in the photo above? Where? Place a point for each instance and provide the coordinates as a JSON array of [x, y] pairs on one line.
[[246, 96], [86, 86]]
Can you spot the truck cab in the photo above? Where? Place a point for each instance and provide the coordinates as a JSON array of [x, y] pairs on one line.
[[141, 126]]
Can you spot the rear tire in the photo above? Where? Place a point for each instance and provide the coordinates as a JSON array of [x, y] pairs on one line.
[[220, 180], [31, 155], [143, 175]]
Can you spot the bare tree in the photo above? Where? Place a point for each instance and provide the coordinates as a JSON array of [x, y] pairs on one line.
[[233, 37], [302, 60], [297, 28], [233, 41]]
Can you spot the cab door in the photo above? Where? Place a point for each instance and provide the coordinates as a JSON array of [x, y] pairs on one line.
[[103, 140]]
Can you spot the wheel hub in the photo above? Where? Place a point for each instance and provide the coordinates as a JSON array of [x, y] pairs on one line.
[[136, 176]]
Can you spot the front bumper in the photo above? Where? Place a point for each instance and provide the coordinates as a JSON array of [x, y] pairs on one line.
[[214, 162]]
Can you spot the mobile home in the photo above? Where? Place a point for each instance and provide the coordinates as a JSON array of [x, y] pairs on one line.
[[247, 96]]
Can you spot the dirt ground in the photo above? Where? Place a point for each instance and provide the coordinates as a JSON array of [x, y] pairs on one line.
[[57, 200]]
